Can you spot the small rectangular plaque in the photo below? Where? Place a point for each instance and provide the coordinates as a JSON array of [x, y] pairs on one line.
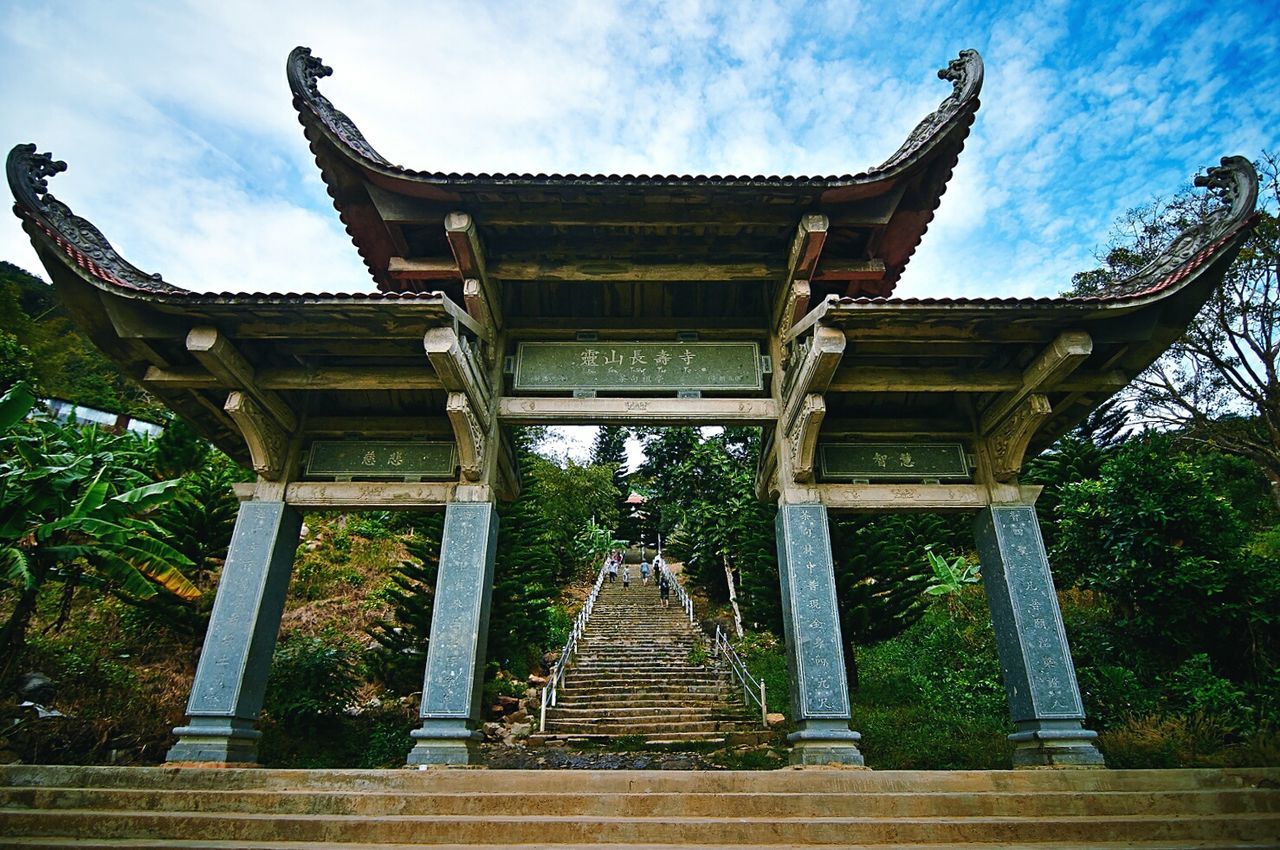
[[892, 461], [614, 366], [382, 459]]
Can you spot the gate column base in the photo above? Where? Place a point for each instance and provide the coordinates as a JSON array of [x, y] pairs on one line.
[[1050, 744], [444, 742], [825, 742], [216, 741]]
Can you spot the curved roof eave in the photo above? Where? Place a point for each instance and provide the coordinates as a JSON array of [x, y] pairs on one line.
[[338, 145], [1234, 181], [83, 248], [965, 74]]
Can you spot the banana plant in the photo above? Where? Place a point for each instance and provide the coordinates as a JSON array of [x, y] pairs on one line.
[[75, 505], [949, 576]]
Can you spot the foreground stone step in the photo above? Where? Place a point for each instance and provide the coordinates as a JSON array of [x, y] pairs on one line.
[[538, 829], [905, 804], [1257, 780]]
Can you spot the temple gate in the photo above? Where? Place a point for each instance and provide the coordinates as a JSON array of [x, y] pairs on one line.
[[591, 299]]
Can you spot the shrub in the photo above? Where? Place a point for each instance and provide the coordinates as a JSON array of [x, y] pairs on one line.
[[312, 680]]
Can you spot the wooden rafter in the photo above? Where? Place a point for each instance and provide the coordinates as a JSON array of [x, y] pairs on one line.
[[325, 378], [792, 300], [468, 253]]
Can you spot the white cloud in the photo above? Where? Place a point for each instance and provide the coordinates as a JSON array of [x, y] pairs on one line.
[[183, 146]]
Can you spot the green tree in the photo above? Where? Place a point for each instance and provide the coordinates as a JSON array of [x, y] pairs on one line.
[[76, 507], [610, 451], [1219, 384], [525, 586], [401, 653], [1170, 553]]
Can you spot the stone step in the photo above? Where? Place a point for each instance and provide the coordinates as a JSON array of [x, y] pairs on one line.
[[662, 727], [1260, 780], [629, 710], [697, 804], [656, 829]]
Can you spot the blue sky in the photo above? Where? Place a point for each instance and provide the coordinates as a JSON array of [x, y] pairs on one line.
[[176, 120]]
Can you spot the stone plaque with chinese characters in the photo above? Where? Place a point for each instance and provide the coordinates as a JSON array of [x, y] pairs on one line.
[[893, 461], [1031, 641], [460, 615], [382, 459], [618, 366], [809, 612]]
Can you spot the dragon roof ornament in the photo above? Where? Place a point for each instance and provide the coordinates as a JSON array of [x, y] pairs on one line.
[[304, 72], [28, 173], [965, 73], [1235, 183]]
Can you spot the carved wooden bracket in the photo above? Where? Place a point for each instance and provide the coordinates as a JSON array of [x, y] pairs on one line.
[[267, 441], [218, 355], [479, 291], [457, 363], [802, 437], [470, 435], [1008, 443], [812, 371]]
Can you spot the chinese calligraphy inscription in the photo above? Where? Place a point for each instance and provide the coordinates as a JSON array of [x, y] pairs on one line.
[[809, 602], [459, 623], [893, 461], [616, 366], [382, 459], [1032, 643]]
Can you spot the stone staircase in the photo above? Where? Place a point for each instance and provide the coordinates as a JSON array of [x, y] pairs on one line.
[[94, 808], [632, 676]]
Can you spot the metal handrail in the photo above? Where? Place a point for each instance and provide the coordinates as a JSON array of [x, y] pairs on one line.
[[556, 679], [752, 688], [685, 602]]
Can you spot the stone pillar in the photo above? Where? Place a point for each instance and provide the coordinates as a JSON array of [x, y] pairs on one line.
[[231, 676], [459, 634], [1044, 700], [819, 694]]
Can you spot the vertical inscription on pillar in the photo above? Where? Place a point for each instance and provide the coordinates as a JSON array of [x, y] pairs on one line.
[[456, 613], [1030, 626], [819, 658]]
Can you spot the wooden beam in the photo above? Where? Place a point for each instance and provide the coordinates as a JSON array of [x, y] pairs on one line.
[[617, 270], [216, 353], [850, 270], [629, 411], [180, 379], [806, 247], [908, 497], [468, 252], [1063, 356], [454, 361], [362, 495], [268, 444], [351, 378], [373, 427], [896, 379], [423, 268], [468, 434]]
